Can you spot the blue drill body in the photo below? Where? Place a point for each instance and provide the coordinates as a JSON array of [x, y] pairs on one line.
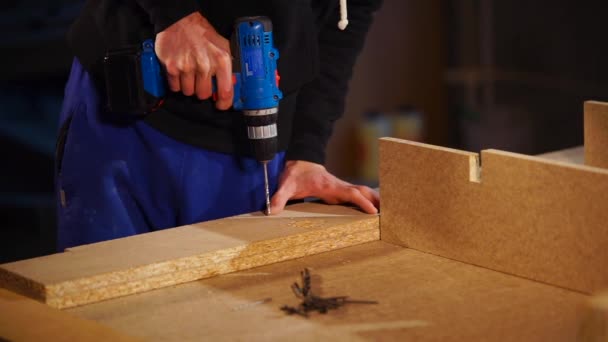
[[154, 82], [254, 67]]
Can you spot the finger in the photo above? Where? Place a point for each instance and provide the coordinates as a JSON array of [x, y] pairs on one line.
[[354, 196], [173, 78], [203, 86], [223, 75], [371, 195], [285, 193], [186, 82]]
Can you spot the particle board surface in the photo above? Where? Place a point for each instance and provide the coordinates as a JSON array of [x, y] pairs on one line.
[[144, 262], [23, 319], [527, 216], [596, 134], [421, 297]]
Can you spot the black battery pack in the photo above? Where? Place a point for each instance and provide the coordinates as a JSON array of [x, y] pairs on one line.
[[124, 83]]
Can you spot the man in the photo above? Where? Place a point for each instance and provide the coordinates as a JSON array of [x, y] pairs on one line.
[[189, 161]]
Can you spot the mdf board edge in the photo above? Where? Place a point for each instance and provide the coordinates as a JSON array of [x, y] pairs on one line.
[[596, 134]]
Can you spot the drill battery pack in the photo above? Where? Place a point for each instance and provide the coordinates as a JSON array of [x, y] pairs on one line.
[[133, 80]]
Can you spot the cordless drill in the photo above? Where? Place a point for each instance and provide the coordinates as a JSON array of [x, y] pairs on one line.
[[135, 84], [256, 87]]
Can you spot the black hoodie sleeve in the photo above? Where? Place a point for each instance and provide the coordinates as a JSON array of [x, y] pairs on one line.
[[321, 102], [163, 13]]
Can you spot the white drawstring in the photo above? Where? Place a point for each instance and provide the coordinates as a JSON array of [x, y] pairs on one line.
[[343, 15]]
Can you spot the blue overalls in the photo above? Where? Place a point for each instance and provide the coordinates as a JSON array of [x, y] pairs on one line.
[[115, 180]]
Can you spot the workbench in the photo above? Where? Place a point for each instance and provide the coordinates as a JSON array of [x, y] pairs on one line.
[[421, 296], [425, 291]]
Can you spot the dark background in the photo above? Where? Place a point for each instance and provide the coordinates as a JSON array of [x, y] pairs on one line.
[[482, 74], [34, 66]]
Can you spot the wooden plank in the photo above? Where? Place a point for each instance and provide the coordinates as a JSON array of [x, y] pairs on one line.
[[421, 297], [95, 272], [23, 319], [596, 134], [526, 216]]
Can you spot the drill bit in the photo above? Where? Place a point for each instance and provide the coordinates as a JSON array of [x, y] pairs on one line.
[[265, 164]]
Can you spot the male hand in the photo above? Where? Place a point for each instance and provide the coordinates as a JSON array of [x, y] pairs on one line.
[[192, 52], [302, 179]]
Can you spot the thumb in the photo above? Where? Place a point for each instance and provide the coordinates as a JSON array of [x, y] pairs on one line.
[[280, 198]]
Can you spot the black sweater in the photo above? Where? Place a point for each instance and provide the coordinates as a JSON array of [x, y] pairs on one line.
[[315, 64]]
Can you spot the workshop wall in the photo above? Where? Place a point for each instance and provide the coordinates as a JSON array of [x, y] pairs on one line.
[[481, 74], [519, 71], [401, 66]]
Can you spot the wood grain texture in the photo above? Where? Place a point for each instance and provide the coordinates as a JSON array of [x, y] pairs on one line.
[[596, 134], [23, 319], [100, 271], [421, 297], [526, 216]]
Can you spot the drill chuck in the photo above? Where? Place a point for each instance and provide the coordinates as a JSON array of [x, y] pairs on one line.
[[262, 132]]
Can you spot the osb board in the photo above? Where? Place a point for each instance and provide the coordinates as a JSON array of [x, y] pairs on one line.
[[421, 297], [596, 134], [526, 216], [22, 319], [145, 262]]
